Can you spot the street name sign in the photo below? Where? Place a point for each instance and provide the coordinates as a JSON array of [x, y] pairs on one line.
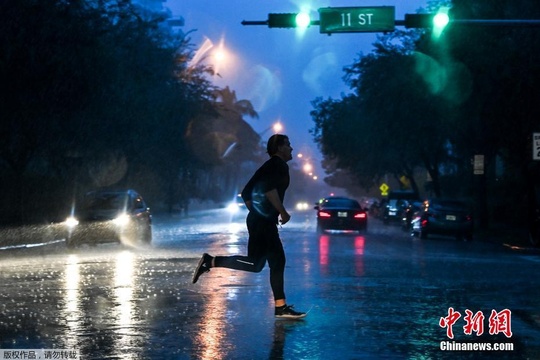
[[357, 19]]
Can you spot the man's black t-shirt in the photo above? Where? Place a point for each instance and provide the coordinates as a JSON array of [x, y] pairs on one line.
[[273, 174]]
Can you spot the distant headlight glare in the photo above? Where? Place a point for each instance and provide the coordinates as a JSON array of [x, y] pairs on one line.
[[302, 206], [71, 222], [121, 220], [233, 208]]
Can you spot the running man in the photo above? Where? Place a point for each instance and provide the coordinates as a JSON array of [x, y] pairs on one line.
[[263, 196]]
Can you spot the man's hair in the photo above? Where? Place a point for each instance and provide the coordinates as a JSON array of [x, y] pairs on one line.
[[274, 143]]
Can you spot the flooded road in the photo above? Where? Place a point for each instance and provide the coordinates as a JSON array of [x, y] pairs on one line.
[[374, 295]]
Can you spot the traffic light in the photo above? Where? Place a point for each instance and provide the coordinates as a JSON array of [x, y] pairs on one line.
[[434, 21], [288, 20]]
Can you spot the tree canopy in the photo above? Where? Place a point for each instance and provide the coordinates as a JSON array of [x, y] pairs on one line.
[[100, 94], [420, 103]]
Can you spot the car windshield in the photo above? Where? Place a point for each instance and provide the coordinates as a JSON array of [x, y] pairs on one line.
[[106, 202], [341, 203]]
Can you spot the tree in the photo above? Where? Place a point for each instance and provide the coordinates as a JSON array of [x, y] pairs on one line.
[[90, 85], [392, 123], [470, 91], [222, 139], [500, 110]]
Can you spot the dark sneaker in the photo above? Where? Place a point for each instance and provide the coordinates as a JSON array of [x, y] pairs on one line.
[[287, 312], [202, 267]]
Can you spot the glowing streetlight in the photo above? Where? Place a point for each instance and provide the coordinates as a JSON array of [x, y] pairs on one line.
[[277, 127], [308, 168]]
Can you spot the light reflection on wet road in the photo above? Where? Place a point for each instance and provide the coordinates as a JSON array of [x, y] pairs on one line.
[[371, 295]]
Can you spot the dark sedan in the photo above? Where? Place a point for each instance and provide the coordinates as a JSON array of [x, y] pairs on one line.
[[443, 217], [340, 213], [110, 216]]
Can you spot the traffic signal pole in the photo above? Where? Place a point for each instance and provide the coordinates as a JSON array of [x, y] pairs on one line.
[[248, 22], [497, 22], [378, 19], [488, 22]]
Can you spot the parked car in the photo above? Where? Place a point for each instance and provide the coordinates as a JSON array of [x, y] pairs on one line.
[[340, 213], [109, 216], [397, 204], [443, 217]]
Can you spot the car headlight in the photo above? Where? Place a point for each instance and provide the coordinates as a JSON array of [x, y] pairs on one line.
[[233, 208], [302, 206], [121, 220], [71, 222]]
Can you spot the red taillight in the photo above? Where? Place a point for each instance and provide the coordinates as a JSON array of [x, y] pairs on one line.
[[424, 223], [360, 216], [324, 214]]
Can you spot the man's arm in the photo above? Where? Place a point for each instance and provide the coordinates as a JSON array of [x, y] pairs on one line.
[[273, 197]]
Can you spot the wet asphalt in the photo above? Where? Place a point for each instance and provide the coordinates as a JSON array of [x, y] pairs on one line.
[[379, 294]]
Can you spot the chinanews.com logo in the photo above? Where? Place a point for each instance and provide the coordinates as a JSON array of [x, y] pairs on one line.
[[499, 322]]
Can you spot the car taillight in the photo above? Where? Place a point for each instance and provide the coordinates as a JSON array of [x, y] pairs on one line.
[[360, 216], [468, 218], [424, 223], [324, 214]]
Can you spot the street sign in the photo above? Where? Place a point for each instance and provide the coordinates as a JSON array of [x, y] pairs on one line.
[[384, 189], [356, 19], [536, 146]]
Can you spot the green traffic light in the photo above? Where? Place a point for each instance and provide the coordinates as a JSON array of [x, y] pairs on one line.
[[302, 20], [440, 20], [437, 22], [288, 20]]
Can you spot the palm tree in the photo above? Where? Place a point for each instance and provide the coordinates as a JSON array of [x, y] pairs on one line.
[[222, 139], [216, 136]]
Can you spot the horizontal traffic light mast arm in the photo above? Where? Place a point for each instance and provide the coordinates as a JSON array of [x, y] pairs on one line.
[[488, 22], [256, 22], [497, 22], [265, 22]]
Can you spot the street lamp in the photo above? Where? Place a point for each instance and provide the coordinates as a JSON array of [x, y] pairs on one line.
[[277, 127], [308, 168]]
